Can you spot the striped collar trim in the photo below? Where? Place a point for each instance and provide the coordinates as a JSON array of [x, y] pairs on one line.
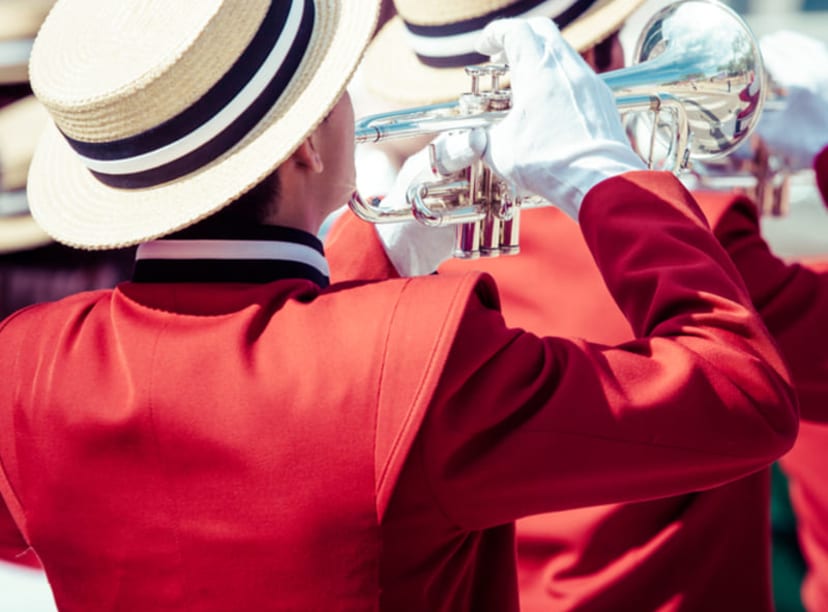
[[243, 260]]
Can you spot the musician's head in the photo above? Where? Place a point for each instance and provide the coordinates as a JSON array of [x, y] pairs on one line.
[[164, 113], [419, 56]]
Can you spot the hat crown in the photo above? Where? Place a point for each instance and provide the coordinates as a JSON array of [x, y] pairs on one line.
[[125, 67]]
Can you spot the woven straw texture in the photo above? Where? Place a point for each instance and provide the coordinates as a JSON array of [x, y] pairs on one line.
[[168, 55], [394, 73], [76, 209]]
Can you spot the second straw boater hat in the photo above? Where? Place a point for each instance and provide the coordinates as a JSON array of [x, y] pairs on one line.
[[166, 111], [21, 122], [419, 56]]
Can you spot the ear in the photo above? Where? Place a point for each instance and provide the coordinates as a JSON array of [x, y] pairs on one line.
[[306, 156]]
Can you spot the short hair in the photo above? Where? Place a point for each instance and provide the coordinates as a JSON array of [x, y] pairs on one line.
[[249, 209], [603, 52]]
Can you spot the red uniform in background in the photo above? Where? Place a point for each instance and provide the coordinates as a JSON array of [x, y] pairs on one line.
[[702, 551], [793, 299]]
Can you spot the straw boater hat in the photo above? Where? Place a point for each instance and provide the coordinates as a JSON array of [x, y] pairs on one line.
[[164, 112], [21, 123], [19, 21], [419, 56]]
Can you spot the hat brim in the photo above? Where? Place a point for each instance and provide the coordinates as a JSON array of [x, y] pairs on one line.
[[21, 233], [78, 210], [21, 123], [19, 22], [393, 71]]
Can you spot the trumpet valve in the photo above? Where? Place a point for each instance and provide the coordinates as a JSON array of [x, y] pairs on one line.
[[491, 236], [494, 71], [467, 240], [492, 98], [510, 234]]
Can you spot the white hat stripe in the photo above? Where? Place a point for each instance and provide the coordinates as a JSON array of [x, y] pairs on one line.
[[219, 128]]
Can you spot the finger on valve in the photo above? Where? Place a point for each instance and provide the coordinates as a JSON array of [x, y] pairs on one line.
[[561, 159]]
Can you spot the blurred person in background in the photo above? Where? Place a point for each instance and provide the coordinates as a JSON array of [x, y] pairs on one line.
[[33, 268], [791, 295], [708, 550]]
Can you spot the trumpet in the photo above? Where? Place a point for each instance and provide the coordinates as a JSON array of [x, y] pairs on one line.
[[696, 61], [757, 169]]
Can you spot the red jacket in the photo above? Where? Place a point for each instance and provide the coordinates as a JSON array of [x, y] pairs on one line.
[[708, 550], [212, 446]]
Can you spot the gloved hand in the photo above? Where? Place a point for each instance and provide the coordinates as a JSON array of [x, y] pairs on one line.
[[416, 249], [563, 134], [799, 64]]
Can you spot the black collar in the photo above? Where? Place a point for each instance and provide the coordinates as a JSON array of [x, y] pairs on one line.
[[260, 254]]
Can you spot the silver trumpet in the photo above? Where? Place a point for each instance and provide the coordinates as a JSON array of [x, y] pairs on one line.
[[696, 61], [756, 169]]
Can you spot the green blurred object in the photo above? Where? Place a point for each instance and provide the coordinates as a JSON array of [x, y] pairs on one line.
[[787, 564]]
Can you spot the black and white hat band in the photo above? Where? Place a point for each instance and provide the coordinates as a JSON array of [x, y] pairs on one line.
[[218, 120], [453, 45]]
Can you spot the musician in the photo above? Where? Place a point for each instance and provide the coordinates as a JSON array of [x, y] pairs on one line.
[[794, 295], [231, 431], [33, 268], [706, 550]]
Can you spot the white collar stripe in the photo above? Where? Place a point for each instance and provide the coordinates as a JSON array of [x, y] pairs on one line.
[[233, 249]]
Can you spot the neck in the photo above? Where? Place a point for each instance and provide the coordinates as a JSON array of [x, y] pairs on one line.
[[297, 214]]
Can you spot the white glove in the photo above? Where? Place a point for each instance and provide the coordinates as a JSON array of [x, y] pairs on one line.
[[799, 64], [415, 249], [563, 134]]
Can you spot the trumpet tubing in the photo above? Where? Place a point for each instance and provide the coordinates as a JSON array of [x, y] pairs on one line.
[[695, 60]]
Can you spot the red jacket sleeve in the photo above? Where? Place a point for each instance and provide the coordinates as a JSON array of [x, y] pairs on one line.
[[791, 298], [522, 425]]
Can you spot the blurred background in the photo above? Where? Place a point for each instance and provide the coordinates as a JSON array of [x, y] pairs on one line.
[[802, 233]]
